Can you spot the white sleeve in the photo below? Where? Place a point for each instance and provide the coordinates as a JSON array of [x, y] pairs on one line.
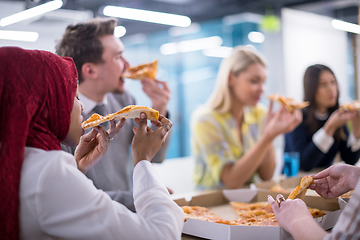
[[322, 140], [167, 219], [69, 206], [353, 143]]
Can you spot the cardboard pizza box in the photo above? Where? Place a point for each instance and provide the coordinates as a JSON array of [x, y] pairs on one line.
[[218, 202]]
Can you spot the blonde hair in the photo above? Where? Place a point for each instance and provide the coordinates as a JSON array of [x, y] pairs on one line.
[[239, 60]]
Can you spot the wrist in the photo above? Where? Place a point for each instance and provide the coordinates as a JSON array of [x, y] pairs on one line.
[[268, 137], [354, 178], [139, 158], [162, 109], [329, 130]]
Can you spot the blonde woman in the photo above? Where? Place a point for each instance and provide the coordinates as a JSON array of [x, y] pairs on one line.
[[232, 134]]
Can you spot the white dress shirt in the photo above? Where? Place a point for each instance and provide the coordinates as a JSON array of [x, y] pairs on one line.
[[57, 201]]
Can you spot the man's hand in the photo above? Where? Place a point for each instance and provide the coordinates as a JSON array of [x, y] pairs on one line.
[[336, 180], [158, 92]]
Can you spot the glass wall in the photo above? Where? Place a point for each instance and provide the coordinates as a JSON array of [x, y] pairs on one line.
[[191, 75]]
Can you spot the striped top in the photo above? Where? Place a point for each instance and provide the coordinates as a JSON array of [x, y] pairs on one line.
[[348, 225], [215, 142]]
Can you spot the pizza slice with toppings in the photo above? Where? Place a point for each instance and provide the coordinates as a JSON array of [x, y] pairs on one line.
[[289, 103], [351, 106], [300, 191], [131, 111], [141, 72]]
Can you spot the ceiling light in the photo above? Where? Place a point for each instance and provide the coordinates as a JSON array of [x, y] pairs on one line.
[[191, 45], [32, 12], [119, 31], [19, 35], [179, 31], [241, 18], [147, 16], [256, 37], [220, 52], [345, 26]]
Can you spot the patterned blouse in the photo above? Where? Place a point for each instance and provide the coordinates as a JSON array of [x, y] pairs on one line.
[[215, 142]]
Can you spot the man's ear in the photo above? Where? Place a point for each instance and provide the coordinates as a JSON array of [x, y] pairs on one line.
[[89, 70]]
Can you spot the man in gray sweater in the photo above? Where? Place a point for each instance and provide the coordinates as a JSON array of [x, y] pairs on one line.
[[97, 54]]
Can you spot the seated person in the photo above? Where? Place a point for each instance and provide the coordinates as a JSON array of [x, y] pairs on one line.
[[330, 183], [99, 58], [232, 134], [323, 132], [43, 193]]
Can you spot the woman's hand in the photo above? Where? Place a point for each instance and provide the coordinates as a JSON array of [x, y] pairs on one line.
[[338, 119], [282, 121], [146, 142], [336, 180], [295, 218], [94, 144], [356, 125]]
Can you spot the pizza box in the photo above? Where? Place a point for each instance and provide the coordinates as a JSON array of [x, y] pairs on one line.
[[218, 202]]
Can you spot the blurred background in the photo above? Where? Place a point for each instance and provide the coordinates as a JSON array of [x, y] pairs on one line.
[[292, 34]]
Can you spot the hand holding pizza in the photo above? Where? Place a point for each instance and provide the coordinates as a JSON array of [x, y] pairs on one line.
[[336, 180], [282, 121], [158, 92], [295, 218], [146, 142], [338, 119], [94, 144]]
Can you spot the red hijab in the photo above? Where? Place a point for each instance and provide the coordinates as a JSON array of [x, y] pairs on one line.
[[37, 91]]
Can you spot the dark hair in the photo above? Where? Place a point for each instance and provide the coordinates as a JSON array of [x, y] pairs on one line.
[[311, 84], [81, 42]]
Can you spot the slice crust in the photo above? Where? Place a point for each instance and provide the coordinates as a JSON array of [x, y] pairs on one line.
[[289, 103], [299, 191], [131, 111], [351, 106], [143, 71]]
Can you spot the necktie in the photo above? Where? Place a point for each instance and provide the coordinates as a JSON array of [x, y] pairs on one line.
[[102, 110]]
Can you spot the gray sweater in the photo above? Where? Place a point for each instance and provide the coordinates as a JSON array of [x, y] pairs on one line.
[[112, 173]]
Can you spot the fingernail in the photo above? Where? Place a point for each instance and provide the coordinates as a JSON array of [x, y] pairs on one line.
[[269, 196], [142, 115]]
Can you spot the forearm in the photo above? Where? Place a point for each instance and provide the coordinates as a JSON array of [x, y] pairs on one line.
[[305, 229], [267, 167], [161, 154], [163, 217], [234, 176], [329, 128]]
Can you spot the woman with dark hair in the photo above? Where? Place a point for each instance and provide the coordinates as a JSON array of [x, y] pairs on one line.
[[43, 195], [324, 132]]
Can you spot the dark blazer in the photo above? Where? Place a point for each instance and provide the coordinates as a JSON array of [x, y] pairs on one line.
[[310, 156]]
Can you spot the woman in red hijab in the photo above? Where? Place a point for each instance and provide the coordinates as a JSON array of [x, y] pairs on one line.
[[43, 195]]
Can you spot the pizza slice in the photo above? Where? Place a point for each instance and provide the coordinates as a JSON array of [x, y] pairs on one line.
[[202, 213], [141, 72], [299, 191], [351, 106], [289, 103], [131, 111]]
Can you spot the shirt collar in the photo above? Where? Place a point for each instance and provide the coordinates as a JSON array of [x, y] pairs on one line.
[[89, 104], [321, 116]]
